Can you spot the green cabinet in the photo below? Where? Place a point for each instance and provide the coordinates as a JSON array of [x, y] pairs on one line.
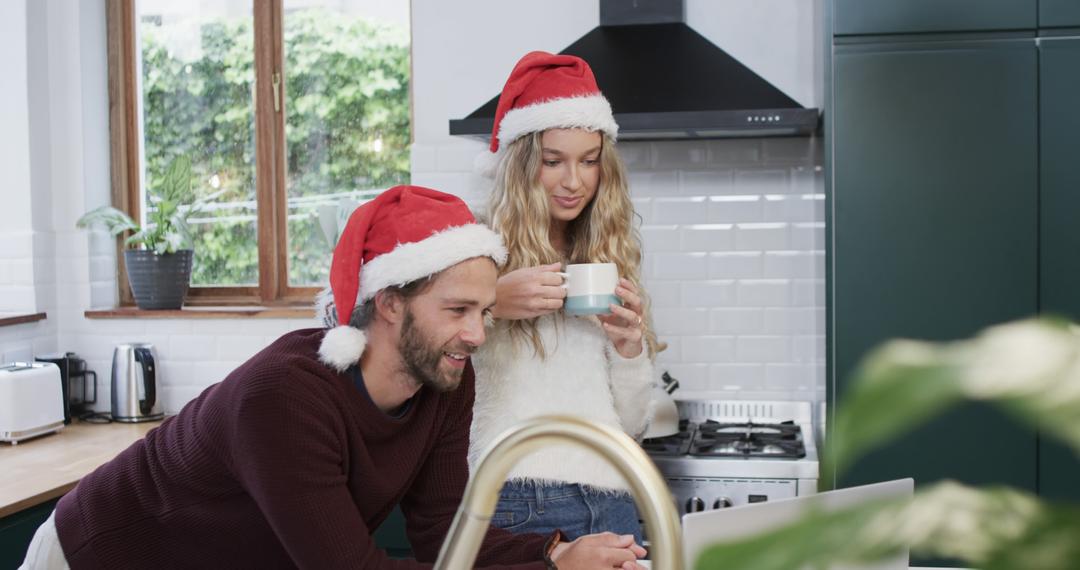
[[16, 531], [1059, 222], [933, 207], [909, 16], [1059, 13]]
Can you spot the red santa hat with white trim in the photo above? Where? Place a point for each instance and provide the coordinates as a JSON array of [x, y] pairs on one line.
[[404, 234], [546, 91]]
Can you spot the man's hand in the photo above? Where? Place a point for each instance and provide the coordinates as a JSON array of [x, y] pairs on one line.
[[603, 550], [529, 292]]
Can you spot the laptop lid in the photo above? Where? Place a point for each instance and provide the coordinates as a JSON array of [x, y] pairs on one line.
[[701, 530]]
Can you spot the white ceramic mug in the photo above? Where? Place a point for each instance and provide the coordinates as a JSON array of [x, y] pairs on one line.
[[590, 288]]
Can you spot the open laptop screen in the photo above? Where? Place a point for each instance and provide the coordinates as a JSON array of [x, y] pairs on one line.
[[701, 530]]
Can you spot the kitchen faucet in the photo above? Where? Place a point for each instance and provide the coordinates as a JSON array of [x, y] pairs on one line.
[[482, 493]]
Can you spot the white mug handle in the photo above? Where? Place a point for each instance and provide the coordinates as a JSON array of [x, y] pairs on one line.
[[565, 279]]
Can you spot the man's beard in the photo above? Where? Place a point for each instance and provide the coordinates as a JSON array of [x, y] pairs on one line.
[[422, 359]]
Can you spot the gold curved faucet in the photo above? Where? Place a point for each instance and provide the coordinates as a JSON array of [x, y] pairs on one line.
[[482, 493]]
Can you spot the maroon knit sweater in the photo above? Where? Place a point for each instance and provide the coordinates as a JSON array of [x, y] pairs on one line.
[[283, 464]]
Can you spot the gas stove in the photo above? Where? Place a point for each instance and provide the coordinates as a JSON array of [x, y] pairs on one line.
[[731, 452]]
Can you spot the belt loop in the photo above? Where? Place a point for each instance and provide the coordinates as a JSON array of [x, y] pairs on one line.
[[539, 497]]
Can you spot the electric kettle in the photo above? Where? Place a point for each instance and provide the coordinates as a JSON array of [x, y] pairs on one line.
[[134, 384]]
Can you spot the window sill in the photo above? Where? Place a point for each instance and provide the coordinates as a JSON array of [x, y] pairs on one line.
[[247, 312], [8, 319]]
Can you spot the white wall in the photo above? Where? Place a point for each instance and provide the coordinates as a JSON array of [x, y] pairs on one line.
[[733, 230], [16, 237]]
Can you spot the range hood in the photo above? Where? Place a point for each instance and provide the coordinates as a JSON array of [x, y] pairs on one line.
[[666, 81]]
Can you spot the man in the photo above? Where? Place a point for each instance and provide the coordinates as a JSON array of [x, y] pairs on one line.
[[300, 453]]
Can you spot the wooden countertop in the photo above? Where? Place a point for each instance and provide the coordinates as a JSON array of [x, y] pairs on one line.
[[46, 467]]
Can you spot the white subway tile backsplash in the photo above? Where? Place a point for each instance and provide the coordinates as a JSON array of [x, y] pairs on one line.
[[635, 154], [680, 265], [457, 158], [681, 321], [192, 347], [789, 150], [709, 183], [708, 237], [735, 265], [808, 348], [651, 183], [790, 207], [808, 293], [708, 348], [663, 294], [643, 207], [792, 321], [788, 376], [738, 320], [239, 347], [808, 235], [704, 294], [681, 154], [762, 181], [793, 264], [763, 292], [679, 210], [661, 238], [763, 348], [422, 157], [736, 208], [735, 151], [739, 376], [761, 236]]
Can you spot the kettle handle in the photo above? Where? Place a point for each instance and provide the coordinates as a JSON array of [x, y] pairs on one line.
[[146, 358]]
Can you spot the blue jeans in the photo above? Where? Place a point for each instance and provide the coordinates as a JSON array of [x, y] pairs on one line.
[[576, 510]]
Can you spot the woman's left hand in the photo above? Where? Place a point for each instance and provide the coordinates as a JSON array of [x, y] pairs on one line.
[[624, 326]]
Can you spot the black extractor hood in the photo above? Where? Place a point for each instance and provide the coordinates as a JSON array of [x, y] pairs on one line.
[[666, 81]]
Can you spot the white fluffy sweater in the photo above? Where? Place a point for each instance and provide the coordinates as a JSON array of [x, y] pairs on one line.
[[582, 375]]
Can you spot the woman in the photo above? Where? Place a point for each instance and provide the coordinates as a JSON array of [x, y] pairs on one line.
[[561, 197]]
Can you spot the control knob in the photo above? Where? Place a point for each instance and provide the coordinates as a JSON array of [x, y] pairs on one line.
[[722, 503], [695, 505]]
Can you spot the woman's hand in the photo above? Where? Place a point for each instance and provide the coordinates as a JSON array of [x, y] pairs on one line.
[[624, 326], [529, 292]]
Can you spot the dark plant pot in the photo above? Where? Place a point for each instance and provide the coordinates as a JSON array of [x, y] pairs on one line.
[[158, 281]]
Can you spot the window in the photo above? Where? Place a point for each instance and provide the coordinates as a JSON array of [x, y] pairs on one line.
[[286, 108]]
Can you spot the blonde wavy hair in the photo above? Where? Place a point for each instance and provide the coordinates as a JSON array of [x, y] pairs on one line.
[[604, 232]]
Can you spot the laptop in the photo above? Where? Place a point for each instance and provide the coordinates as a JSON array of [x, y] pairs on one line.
[[701, 530]]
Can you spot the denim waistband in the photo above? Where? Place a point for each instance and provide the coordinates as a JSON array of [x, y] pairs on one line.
[[538, 491]]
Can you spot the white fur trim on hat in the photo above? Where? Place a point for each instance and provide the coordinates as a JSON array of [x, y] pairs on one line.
[[590, 112], [411, 261], [341, 347]]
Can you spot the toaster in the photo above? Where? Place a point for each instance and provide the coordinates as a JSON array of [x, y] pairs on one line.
[[31, 400]]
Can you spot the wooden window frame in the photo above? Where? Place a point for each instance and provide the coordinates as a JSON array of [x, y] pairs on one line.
[[273, 287]]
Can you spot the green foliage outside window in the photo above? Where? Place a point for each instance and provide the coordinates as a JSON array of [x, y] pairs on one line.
[[347, 129]]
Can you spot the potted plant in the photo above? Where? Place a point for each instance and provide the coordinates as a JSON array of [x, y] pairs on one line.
[[1030, 369], [159, 254]]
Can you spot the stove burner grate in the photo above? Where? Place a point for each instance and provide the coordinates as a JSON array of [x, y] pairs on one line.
[[748, 439]]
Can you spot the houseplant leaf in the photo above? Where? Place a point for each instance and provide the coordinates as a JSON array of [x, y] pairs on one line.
[[1030, 369], [114, 221]]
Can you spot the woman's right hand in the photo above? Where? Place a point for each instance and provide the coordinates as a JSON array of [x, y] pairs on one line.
[[529, 292]]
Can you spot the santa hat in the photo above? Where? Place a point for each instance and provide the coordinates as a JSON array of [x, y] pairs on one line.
[[406, 233], [546, 91]]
